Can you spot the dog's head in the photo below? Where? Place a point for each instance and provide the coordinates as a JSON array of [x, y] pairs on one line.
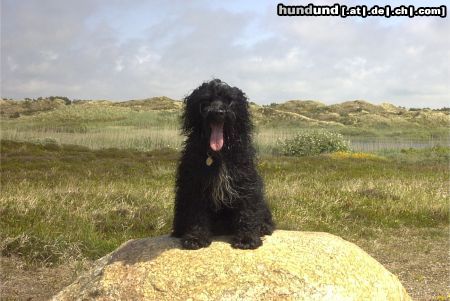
[[218, 113]]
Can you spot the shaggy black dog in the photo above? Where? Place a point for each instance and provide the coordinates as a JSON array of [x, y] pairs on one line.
[[218, 190]]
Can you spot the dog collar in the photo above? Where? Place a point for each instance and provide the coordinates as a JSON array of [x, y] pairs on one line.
[[209, 160]]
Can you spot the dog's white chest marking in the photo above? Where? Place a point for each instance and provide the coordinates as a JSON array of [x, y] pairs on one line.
[[223, 192]]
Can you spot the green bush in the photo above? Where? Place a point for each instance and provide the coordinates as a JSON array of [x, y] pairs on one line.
[[314, 143]]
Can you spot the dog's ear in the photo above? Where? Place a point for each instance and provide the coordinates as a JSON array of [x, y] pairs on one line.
[[241, 109], [238, 95], [191, 119], [188, 117]]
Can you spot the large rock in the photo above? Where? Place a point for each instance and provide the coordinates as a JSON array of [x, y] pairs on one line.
[[289, 266]]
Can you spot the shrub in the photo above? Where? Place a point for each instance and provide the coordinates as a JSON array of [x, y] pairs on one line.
[[314, 143]]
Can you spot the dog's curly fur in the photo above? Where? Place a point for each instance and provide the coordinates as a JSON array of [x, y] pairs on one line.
[[223, 196]]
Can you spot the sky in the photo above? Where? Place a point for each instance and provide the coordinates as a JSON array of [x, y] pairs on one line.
[[121, 50]]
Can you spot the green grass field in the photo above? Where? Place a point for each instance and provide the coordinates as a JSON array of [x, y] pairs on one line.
[[69, 202], [77, 181]]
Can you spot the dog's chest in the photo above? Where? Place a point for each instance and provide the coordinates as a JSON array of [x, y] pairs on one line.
[[222, 188]]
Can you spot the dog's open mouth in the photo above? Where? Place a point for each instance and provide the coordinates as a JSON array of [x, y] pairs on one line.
[[216, 139]]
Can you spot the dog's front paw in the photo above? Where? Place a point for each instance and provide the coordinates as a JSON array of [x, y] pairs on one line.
[[246, 242], [194, 243]]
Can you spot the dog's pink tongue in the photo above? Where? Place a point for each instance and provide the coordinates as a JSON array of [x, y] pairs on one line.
[[216, 140]]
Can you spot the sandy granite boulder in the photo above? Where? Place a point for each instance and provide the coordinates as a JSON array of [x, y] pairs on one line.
[[290, 265]]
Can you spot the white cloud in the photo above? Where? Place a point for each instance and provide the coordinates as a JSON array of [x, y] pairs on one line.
[[87, 50]]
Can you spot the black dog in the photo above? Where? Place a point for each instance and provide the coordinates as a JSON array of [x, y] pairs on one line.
[[218, 190]]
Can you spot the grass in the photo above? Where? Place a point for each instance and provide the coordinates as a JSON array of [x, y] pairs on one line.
[[154, 138], [153, 124], [98, 127], [68, 202], [437, 154]]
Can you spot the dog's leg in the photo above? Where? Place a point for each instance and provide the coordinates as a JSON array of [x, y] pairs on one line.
[[192, 220], [198, 233], [247, 230], [267, 225]]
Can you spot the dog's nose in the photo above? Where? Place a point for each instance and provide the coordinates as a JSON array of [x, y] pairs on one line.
[[217, 109], [219, 112]]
